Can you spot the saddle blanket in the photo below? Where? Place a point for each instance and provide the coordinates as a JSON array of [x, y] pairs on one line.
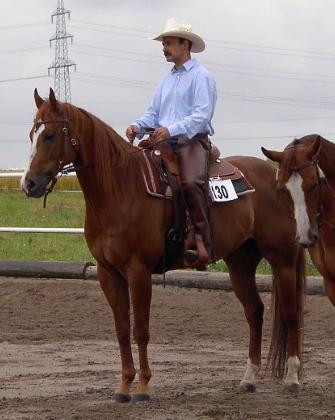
[[226, 182]]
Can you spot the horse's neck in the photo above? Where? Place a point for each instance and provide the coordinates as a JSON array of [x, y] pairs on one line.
[[326, 160], [123, 177]]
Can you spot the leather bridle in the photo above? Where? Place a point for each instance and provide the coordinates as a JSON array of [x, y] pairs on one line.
[[62, 169]]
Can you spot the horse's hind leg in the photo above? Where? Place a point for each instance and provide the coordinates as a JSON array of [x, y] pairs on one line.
[[242, 266], [141, 290], [116, 291], [288, 294]]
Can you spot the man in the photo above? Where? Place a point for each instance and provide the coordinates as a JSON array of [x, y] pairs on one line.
[[181, 112]]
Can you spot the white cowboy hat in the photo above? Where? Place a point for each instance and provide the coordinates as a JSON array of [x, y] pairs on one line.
[[181, 30]]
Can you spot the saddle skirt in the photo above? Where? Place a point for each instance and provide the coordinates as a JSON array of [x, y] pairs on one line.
[[159, 155]]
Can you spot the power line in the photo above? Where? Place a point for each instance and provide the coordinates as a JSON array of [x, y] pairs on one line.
[[111, 26], [22, 25], [272, 137], [242, 73], [271, 47], [213, 40], [155, 56], [279, 119], [16, 50], [23, 78]]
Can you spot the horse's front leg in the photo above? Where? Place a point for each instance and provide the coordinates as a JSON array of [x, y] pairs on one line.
[[141, 289], [116, 291]]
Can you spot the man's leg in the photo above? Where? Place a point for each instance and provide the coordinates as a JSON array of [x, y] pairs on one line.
[[192, 156]]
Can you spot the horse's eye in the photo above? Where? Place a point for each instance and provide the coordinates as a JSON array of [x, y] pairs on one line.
[[48, 135]]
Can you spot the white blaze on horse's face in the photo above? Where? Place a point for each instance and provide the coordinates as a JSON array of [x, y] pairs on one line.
[[33, 151], [304, 230]]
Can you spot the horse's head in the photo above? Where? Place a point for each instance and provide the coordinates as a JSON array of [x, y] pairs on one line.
[[50, 145], [299, 173]]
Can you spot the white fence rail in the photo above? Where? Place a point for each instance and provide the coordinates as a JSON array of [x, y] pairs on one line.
[[10, 229], [19, 174]]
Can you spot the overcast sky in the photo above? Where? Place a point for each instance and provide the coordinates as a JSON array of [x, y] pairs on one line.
[[273, 61]]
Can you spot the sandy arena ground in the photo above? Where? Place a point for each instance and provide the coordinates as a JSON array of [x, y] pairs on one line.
[[59, 357]]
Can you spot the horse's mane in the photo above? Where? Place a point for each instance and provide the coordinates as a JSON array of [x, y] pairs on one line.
[[113, 156], [288, 163]]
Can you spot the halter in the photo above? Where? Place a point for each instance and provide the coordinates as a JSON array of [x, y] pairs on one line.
[[298, 168], [62, 169]]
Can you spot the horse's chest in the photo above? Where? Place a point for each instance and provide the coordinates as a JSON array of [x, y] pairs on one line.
[[323, 256]]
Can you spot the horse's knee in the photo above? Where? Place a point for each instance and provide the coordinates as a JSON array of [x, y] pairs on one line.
[[141, 337], [123, 338], [255, 313]]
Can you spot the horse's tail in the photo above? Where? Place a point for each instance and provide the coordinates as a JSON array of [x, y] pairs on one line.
[[277, 355]]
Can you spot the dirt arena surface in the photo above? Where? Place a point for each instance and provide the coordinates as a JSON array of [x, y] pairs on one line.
[[59, 358]]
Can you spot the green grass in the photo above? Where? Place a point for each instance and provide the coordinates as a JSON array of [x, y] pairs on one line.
[[64, 209], [264, 267], [69, 183]]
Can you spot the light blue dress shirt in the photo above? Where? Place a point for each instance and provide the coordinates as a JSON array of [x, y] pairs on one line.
[[184, 102]]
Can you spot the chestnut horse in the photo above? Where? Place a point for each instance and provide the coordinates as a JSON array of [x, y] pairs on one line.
[[306, 169], [125, 230]]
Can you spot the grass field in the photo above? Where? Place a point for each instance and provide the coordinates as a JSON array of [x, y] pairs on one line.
[[64, 209]]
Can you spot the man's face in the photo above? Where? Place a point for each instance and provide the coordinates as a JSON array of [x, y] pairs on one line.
[[173, 49]]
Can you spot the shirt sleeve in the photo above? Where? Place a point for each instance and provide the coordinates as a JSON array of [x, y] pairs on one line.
[[150, 118], [205, 97]]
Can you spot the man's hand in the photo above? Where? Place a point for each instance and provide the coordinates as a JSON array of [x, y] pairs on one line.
[[131, 133], [161, 134]]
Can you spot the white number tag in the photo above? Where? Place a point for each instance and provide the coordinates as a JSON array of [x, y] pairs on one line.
[[222, 190]]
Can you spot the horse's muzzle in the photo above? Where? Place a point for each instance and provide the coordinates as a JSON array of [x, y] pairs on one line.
[[36, 185], [311, 240]]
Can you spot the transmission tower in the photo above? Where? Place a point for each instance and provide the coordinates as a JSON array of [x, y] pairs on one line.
[[61, 64]]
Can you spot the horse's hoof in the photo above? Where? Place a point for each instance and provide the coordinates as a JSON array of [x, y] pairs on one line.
[[140, 398], [122, 398], [293, 387], [247, 387]]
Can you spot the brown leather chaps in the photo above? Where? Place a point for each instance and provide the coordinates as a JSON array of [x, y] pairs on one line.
[[192, 157]]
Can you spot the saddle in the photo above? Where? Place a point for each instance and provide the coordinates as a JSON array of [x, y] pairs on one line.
[[160, 174], [161, 161]]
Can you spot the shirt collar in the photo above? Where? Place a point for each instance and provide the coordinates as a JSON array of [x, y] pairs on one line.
[[187, 65]]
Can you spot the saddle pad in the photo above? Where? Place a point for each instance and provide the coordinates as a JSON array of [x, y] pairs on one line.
[[156, 183]]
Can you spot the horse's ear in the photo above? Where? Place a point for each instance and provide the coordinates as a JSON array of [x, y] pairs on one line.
[[38, 100], [53, 100], [314, 148], [272, 155]]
